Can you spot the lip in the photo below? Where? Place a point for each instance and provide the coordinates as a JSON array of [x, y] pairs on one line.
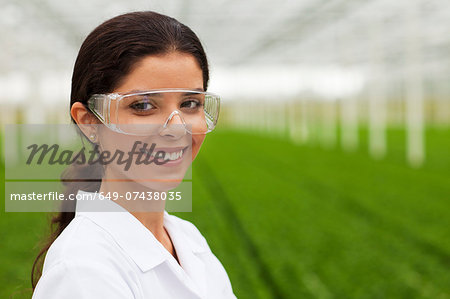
[[172, 163]]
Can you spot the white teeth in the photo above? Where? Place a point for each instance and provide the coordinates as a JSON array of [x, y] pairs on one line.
[[173, 156], [167, 156]]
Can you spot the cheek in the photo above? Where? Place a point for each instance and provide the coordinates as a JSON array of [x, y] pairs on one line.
[[197, 141]]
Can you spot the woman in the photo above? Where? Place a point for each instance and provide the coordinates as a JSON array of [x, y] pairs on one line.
[[139, 79]]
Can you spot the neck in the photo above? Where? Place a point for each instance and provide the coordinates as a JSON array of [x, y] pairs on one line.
[[150, 213], [128, 195], [153, 221]]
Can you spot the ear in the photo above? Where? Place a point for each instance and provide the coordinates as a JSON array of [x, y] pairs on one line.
[[86, 120]]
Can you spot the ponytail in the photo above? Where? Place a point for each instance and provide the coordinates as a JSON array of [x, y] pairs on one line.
[[73, 178]]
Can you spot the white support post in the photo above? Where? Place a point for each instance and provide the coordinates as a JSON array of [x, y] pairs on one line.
[[377, 93], [328, 123], [349, 124], [414, 89], [304, 118]]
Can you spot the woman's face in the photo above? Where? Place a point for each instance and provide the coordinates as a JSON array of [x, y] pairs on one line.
[[173, 70]]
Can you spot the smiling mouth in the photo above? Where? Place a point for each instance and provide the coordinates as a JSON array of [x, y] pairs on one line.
[[170, 154]]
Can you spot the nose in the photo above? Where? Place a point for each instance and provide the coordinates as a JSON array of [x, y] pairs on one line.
[[174, 126], [174, 118]]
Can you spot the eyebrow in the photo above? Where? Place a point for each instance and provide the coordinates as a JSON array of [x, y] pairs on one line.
[[159, 94]]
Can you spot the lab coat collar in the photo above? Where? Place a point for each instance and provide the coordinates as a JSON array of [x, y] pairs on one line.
[[138, 242], [131, 235], [188, 255]]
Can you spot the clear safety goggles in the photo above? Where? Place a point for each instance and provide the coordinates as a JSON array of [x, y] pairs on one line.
[[149, 112]]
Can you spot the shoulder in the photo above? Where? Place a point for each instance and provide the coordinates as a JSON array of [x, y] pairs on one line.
[[82, 242], [83, 263], [82, 280]]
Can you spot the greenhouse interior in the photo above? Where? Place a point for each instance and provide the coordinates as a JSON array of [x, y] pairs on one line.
[[339, 110]]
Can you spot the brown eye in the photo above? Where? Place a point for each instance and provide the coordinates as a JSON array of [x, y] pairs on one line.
[[141, 106], [191, 104]]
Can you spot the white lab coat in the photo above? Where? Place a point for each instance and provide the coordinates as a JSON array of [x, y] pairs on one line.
[[112, 255]]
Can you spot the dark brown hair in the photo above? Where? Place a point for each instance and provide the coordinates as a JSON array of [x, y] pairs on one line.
[[107, 55]]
